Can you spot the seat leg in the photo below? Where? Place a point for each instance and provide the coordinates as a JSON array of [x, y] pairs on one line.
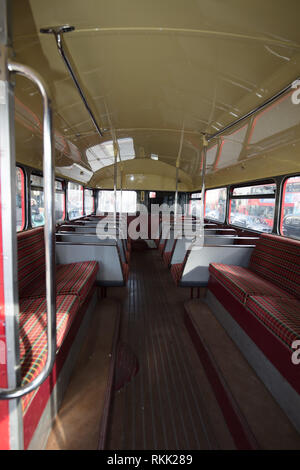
[[192, 292], [198, 292]]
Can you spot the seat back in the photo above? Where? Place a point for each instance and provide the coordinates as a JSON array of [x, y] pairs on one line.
[[31, 257], [277, 259]]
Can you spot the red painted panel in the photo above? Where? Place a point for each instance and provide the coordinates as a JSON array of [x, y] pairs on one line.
[[4, 410]]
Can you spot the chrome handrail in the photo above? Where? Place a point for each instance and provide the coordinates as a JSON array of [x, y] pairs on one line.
[[49, 231]]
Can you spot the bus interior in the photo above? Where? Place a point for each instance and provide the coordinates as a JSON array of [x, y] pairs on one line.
[[149, 225]]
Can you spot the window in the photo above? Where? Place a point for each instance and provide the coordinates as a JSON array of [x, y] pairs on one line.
[[290, 215], [20, 199], [106, 201], [75, 200], [37, 200], [195, 205], [253, 207], [88, 201], [215, 204], [59, 202]]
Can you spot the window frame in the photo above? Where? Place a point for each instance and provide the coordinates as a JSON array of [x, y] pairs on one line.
[[226, 205], [37, 188], [23, 198], [67, 200], [253, 196], [280, 214], [61, 191], [93, 196]]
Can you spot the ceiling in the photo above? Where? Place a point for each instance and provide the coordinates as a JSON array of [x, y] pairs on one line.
[[161, 72]]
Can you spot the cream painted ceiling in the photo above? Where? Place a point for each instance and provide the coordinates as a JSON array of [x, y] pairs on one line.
[[161, 72]]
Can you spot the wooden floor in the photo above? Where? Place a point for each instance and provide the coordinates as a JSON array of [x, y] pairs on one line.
[[82, 419], [169, 404]]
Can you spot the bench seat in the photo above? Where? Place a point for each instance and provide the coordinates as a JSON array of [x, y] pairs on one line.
[[242, 282], [73, 278], [33, 334], [280, 315]]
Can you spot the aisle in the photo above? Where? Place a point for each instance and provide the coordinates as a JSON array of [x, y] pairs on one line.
[[169, 404]]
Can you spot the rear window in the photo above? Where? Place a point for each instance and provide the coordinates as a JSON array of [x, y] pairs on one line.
[[215, 204], [75, 200], [20, 199], [253, 207], [126, 203], [290, 214]]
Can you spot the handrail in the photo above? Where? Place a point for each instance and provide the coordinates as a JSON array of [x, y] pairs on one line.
[[48, 167]]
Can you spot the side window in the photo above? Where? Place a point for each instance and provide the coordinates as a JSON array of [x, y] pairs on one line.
[[75, 200], [88, 201], [215, 204], [253, 207], [59, 202], [37, 200], [20, 199], [290, 213]]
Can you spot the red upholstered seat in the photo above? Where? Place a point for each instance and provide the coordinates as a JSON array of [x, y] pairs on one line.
[[277, 259], [161, 247], [176, 271], [242, 282], [31, 258], [281, 316], [33, 334], [125, 269], [167, 257], [73, 278]]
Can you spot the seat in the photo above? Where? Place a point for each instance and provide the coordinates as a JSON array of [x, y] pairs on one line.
[[176, 271], [33, 334], [74, 278], [279, 315], [242, 282]]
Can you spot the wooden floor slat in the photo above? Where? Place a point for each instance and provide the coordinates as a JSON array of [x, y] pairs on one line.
[[169, 404]]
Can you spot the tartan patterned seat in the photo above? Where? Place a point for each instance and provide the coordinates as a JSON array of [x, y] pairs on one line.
[[277, 259], [281, 316], [73, 278], [176, 271], [33, 334], [167, 257], [242, 282]]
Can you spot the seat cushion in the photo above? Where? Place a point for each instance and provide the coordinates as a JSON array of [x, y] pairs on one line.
[[33, 333], [277, 259], [76, 278], [73, 278], [242, 282], [281, 316]]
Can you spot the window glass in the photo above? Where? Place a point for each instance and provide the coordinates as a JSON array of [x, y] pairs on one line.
[[20, 199], [195, 205], [88, 201], [75, 200], [255, 212], [59, 206], [215, 204], [258, 189], [290, 216], [37, 200], [106, 201]]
